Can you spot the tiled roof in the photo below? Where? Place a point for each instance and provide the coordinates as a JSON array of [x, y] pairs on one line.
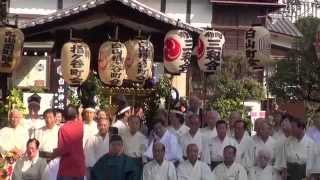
[[283, 26], [91, 4]]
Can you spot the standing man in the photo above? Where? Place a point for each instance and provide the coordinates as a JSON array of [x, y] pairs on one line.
[[314, 134], [193, 136], [192, 168], [135, 143], [115, 165], [210, 130], [97, 145], [218, 143], [169, 140], [123, 113], [234, 116], [243, 141], [48, 135], [70, 147], [34, 122], [229, 169], [90, 126], [177, 126], [159, 168], [14, 137]]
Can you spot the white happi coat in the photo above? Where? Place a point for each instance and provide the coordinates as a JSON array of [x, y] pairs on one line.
[[173, 149], [48, 138], [122, 127], [89, 130], [134, 145], [95, 147], [154, 171], [301, 152], [199, 171], [257, 173], [235, 172], [13, 138], [216, 147], [187, 139], [182, 130], [33, 126], [208, 132]]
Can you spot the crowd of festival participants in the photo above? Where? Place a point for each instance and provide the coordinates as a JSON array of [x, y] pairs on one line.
[[182, 144]]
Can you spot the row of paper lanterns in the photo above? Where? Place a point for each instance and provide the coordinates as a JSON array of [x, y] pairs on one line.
[[133, 60]]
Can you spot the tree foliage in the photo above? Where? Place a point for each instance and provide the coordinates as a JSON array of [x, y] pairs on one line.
[[298, 77]]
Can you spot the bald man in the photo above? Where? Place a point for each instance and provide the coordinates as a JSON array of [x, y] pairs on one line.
[[159, 168], [14, 137], [192, 168], [262, 170], [210, 131]]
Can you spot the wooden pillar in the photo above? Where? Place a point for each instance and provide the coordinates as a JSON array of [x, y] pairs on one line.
[[163, 6], [59, 4], [188, 13], [4, 86]]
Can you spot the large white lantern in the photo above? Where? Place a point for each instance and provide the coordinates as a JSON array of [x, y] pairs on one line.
[[111, 68], [75, 64], [209, 50], [177, 51], [258, 47], [11, 43], [139, 60]]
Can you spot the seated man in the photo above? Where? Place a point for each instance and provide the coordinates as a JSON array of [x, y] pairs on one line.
[[229, 169], [192, 168], [115, 165], [159, 168], [262, 170]]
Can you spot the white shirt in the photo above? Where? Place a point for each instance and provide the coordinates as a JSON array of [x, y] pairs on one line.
[[179, 132], [187, 139], [28, 163], [173, 149], [234, 172], [154, 171], [200, 171], [208, 132], [242, 148], [216, 147], [33, 126], [13, 138], [134, 145], [48, 138], [89, 129], [257, 173], [51, 171], [95, 147], [122, 127]]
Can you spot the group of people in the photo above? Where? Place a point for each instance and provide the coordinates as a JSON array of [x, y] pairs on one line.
[[179, 145]]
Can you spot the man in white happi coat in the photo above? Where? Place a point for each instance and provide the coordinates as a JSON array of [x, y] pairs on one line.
[[192, 168], [169, 140], [299, 152], [229, 169], [177, 123], [89, 125], [14, 137], [97, 145], [124, 111], [159, 168], [314, 133], [135, 143], [33, 123], [210, 131], [218, 143], [262, 140], [48, 134], [243, 141], [193, 136], [262, 170]]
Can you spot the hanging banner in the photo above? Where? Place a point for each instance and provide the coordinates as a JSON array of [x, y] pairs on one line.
[[139, 60], [11, 43], [258, 47], [209, 50], [58, 85], [75, 62], [177, 51], [111, 61]]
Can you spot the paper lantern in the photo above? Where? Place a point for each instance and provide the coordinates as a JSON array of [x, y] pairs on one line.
[[177, 51], [258, 47], [209, 50], [111, 65], [139, 60], [75, 63], [11, 43]]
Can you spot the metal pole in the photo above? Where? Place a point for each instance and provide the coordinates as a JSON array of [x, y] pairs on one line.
[[163, 6]]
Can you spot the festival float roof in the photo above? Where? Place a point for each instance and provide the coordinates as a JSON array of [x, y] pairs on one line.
[[95, 20], [270, 4]]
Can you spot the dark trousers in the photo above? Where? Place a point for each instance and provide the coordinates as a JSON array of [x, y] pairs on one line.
[[296, 171], [69, 178]]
